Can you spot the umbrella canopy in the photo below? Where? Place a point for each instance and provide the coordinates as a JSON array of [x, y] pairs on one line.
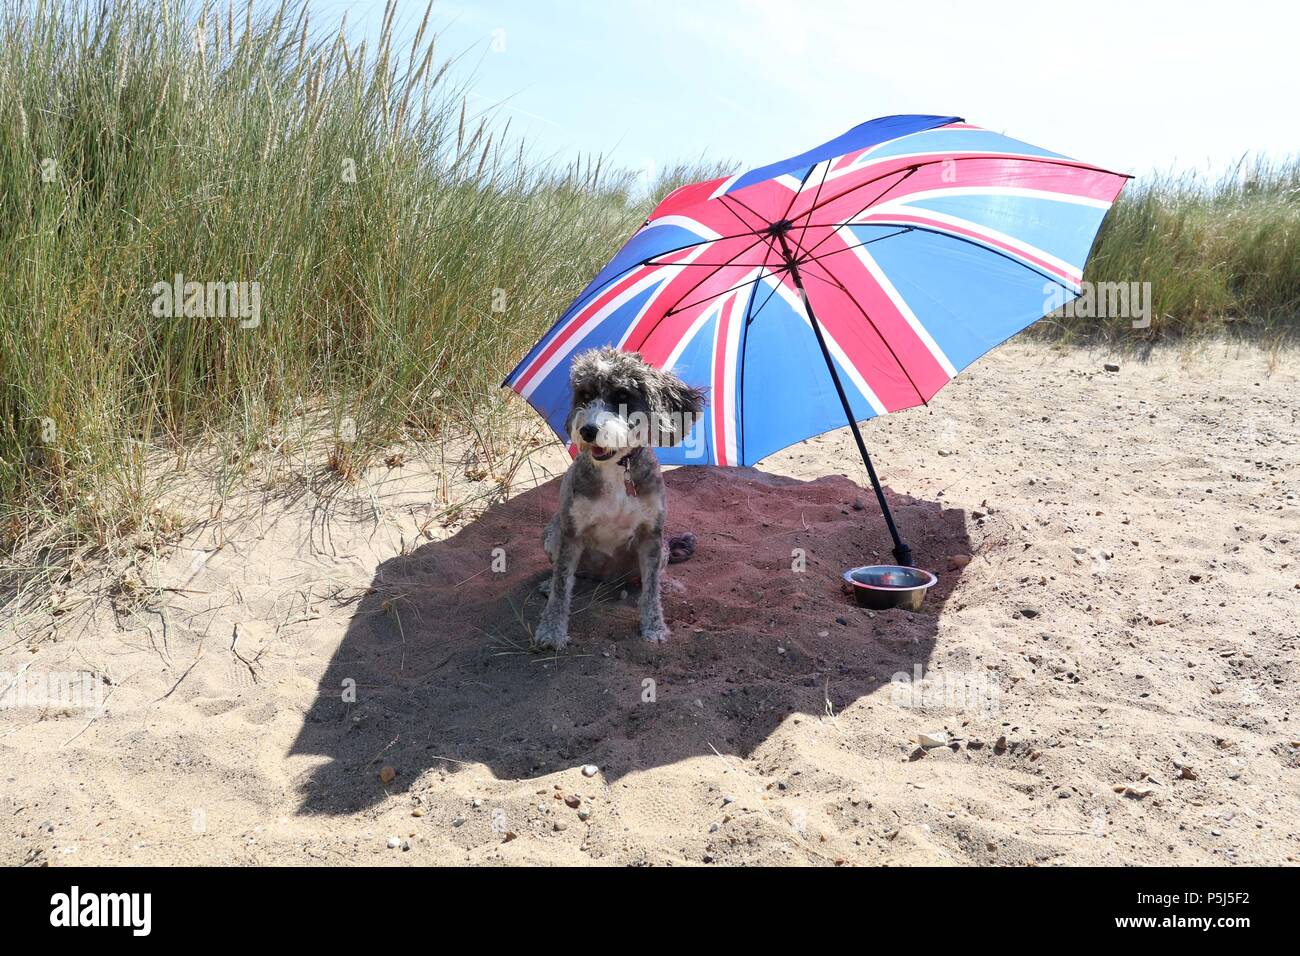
[[852, 280]]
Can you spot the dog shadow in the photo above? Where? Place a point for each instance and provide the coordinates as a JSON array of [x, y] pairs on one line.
[[435, 670]]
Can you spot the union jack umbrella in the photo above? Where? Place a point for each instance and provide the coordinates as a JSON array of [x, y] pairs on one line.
[[855, 279]]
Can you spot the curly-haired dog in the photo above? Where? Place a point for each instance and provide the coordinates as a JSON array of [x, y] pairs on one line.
[[611, 519]]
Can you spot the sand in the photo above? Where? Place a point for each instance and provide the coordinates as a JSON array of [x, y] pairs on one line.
[[345, 678]]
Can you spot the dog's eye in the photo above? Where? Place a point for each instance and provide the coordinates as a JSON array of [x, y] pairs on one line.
[[622, 397]]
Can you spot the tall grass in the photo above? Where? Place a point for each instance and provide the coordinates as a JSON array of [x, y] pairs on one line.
[[406, 255], [1217, 251]]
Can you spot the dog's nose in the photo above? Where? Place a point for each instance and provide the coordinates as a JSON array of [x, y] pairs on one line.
[[588, 432]]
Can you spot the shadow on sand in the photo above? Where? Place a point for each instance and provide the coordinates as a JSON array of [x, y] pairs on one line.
[[438, 649]]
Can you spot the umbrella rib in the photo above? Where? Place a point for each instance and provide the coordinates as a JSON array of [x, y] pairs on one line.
[[831, 279], [794, 194], [584, 300], [771, 292], [760, 217], [836, 282], [856, 245], [906, 171], [675, 309], [648, 261], [804, 231], [868, 205], [678, 307], [739, 218], [965, 239], [694, 265], [751, 315], [692, 245], [956, 159], [740, 370]]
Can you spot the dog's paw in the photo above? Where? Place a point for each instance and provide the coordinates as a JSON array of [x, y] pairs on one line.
[[658, 634], [553, 636]]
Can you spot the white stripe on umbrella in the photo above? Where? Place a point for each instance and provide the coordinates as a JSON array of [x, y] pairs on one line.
[[922, 333], [791, 298], [1019, 191], [900, 214]]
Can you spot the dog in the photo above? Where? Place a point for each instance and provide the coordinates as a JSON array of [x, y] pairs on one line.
[[611, 519]]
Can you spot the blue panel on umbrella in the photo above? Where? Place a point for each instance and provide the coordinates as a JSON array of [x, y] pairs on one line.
[[1062, 229], [961, 141], [968, 298], [694, 366], [656, 240], [802, 173], [787, 392], [860, 137]]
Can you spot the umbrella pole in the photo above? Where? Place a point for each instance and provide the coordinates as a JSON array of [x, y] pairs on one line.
[[902, 553]]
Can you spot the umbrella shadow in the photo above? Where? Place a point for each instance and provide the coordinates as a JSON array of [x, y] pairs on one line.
[[435, 672]]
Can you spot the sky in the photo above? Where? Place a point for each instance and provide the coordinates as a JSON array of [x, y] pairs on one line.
[[1131, 86]]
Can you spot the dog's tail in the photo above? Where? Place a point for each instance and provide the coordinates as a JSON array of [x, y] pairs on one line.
[[681, 547]]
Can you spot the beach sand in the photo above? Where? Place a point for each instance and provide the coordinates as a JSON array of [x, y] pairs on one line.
[[1110, 654]]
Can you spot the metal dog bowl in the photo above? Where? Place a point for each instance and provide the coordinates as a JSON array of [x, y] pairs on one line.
[[882, 586]]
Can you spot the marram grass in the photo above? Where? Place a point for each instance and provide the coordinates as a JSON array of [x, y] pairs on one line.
[[404, 255], [1216, 252]]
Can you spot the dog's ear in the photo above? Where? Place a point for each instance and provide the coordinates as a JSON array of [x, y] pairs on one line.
[[568, 423], [677, 405], [574, 407]]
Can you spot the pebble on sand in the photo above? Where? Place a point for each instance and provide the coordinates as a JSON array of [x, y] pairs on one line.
[[387, 775], [1133, 790], [590, 770]]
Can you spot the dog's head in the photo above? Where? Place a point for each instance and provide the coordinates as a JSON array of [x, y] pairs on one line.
[[620, 401]]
